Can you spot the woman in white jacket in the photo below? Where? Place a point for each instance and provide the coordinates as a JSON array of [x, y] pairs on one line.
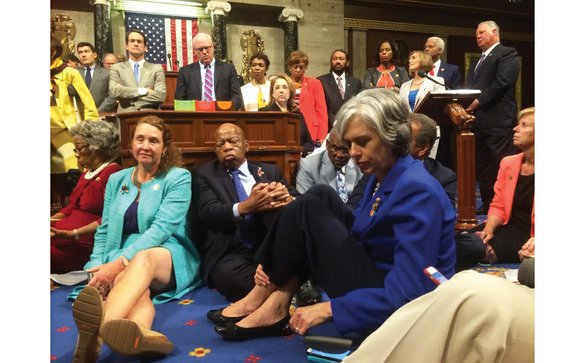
[[415, 90]]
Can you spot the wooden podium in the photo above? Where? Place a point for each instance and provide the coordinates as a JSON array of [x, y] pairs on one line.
[[274, 137], [449, 107]]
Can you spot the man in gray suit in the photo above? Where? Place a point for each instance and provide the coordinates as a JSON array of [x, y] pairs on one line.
[[96, 78], [332, 167], [136, 83]]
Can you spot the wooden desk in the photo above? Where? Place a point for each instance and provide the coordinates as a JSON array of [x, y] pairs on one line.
[[274, 137]]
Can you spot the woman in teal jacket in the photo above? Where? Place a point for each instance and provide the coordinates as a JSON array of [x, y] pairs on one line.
[[142, 254]]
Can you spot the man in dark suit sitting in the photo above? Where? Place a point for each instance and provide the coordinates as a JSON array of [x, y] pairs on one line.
[[495, 108], [232, 205], [215, 81], [336, 79], [469, 248]]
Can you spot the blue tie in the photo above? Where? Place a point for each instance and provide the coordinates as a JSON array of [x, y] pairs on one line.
[[88, 76], [136, 72], [240, 191]]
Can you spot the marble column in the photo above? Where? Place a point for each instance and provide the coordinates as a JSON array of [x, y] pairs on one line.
[[103, 33], [290, 17], [218, 11]]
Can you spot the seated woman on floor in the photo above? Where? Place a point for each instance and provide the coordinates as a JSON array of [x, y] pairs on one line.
[[510, 220], [369, 262], [96, 146], [143, 254]]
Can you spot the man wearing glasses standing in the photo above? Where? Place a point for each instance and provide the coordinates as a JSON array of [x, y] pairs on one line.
[[208, 79]]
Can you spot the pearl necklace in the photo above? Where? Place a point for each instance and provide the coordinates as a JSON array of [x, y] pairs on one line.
[[91, 174]]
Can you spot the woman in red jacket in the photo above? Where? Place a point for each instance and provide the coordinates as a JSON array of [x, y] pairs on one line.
[[510, 220], [309, 97]]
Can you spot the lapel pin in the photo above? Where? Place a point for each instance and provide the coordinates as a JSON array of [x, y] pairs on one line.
[[124, 189]]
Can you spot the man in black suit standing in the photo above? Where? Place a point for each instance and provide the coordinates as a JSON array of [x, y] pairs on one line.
[[232, 204], [215, 81], [338, 86], [96, 77], [452, 76], [495, 108]]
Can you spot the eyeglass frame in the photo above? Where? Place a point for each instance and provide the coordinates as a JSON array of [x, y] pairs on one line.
[[201, 49], [81, 150]]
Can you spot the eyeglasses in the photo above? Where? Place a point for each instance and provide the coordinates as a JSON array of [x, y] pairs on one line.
[[338, 148], [199, 50], [80, 150], [233, 142]]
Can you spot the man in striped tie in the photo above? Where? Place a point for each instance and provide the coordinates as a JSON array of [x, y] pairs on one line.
[[208, 79]]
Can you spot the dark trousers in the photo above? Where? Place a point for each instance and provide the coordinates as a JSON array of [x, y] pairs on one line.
[[491, 145], [311, 236], [469, 250], [233, 275], [447, 149]]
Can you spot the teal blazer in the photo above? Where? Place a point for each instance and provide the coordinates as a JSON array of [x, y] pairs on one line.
[[162, 219]]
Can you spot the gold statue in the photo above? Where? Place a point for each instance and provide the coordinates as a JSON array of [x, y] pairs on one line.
[[64, 29], [250, 42]]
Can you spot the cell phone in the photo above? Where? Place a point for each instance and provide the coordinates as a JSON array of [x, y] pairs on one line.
[[434, 274], [315, 355]]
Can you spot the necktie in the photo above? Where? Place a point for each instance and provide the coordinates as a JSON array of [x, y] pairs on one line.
[[341, 186], [240, 191], [432, 71], [88, 76], [208, 84], [340, 86], [479, 63], [136, 72]]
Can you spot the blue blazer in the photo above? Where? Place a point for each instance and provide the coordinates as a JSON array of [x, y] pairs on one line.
[[413, 227], [162, 212], [451, 75]]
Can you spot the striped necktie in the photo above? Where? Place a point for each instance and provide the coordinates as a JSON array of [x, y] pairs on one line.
[[340, 86], [208, 84]]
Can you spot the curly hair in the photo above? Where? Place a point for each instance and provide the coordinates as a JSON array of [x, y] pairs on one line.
[[172, 156], [101, 136]]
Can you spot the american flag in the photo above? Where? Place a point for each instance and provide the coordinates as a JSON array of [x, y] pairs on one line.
[[168, 38]]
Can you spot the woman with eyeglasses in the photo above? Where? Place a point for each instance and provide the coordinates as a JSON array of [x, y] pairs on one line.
[[96, 146]]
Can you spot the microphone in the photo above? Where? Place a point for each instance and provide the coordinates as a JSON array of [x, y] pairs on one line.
[[424, 74], [169, 57], [177, 62]]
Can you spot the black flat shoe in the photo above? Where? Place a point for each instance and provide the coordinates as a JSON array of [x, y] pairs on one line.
[[308, 294], [234, 332], [218, 318]]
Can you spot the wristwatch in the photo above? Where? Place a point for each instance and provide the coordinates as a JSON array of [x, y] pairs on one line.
[[125, 261]]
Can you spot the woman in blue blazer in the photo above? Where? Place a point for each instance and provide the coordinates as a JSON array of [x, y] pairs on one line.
[[142, 254], [369, 262]]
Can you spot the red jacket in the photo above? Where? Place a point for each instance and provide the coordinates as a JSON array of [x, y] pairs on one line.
[[505, 188], [313, 107]]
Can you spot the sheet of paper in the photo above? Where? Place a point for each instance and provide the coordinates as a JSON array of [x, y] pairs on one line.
[[511, 275]]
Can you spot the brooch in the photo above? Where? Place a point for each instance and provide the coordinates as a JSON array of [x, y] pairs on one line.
[[260, 171], [124, 189], [375, 207]]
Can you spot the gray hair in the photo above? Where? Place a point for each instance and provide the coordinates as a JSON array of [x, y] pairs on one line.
[[438, 42], [427, 134], [101, 136], [384, 112], [492, 24], [201, 37]]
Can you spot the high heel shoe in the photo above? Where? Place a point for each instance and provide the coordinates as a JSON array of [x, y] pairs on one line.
[[88, 316], [126, 337], [233, 332], [218, 318]]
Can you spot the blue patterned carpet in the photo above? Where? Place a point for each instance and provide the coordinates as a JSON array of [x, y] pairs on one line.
[[186, 325]]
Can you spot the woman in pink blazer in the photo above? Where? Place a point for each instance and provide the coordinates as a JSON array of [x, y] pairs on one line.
[[510, 220]]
